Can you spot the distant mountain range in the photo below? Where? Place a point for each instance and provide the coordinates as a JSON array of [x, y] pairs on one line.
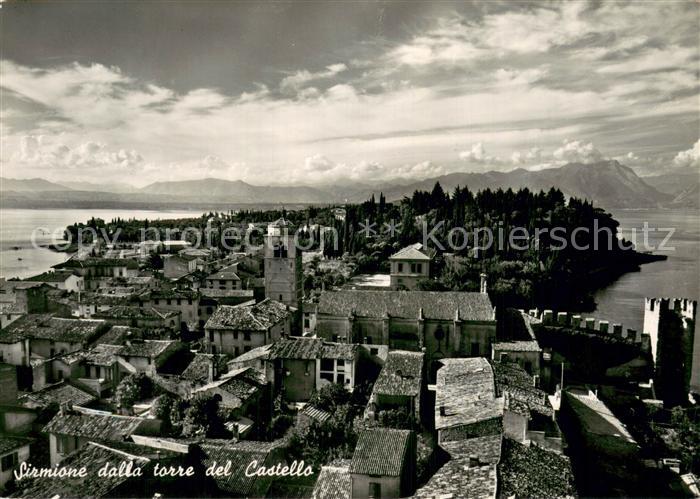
[[608, 184]]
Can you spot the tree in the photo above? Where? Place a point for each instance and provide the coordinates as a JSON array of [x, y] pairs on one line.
[[203, 418], [154, 261], [330, 397], [132, 388]]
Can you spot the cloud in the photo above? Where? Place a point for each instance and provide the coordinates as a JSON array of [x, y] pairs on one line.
[[689, 157], [532, 155], [296, 81], [507, 80], [42, 152], [477, 155], [576, 151], [655, 59]]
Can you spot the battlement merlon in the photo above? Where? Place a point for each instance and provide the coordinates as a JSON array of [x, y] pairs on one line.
[[686, 306]]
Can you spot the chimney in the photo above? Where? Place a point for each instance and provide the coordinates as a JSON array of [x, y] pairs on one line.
[[236, 434], [211, 375], [483, 288]]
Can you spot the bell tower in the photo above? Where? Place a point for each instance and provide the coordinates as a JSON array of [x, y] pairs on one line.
[[283, 271]]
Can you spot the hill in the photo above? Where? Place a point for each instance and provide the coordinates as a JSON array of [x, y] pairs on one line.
[[30, 185], [607, 183], [238, 191]]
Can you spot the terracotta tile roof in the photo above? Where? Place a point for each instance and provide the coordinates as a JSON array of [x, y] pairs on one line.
[[465, 388], [402, 374], [381, 451], [52, 276], [242, 384], [486, 449], [259, 317], [117, 334], [437, 305], [227, 273], [534, 472], [518, 346], [334, 481], [98, 262], [9, 443], [311, 348], [101, 355], [198, 368], [108, 428], [131, 312], [58, 393], [521, 395], [413, 252], [45, 326], [95, 456], [241, 454], [457, 479], [147, 348]]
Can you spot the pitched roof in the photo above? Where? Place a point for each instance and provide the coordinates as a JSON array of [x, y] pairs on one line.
[[101, 355], [465, 388], [45, 326], [311, 348], [110, 428], [381, 451], [52, 276], [94, 456], [402, 374], [530, 471], [457, 479], [242, 383], [241, 455], [518, 346], [227, 273], [334, 481], [8, 443], [438, 305], [198, 368], [131, 312], [98, 262], [58, 393], [412, 252], [521, 395], [259, 317], [146, 348]]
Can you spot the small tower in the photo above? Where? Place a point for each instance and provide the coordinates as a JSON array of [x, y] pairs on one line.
[[283, 271], [670, 323]]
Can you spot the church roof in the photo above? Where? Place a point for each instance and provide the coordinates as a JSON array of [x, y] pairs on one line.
[[436, 305]]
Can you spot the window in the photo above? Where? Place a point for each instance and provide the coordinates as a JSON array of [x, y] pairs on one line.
[[475, 348], [307, 322], [374, 351], [375, 489], [280, 298], [9, 461], [246, 349], [340, 363], [340, 378], [400, 267], [246, 336], [169, 301], [327, 376], [419, 268], [211, 336], [326, 364]]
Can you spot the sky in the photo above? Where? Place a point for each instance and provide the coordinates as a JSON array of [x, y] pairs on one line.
[[319, 93]]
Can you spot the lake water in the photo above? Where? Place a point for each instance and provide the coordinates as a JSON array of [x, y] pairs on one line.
[[621, 302], [18, 257], [679, 276]]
